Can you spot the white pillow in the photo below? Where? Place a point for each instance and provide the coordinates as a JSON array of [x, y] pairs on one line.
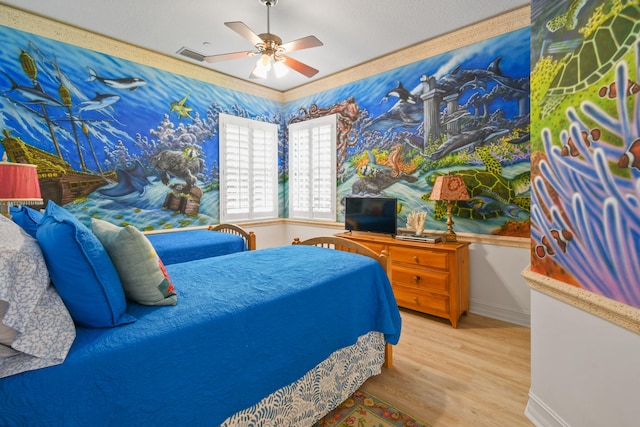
[[7, 334], [44, 330]]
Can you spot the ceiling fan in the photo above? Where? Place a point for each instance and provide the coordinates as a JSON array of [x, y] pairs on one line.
[[269, 46]]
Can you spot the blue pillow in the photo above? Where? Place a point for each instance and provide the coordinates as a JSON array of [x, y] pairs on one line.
[[27, 218], [81, 270]]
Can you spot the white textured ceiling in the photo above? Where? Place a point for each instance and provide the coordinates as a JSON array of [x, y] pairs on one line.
[[352, 31]]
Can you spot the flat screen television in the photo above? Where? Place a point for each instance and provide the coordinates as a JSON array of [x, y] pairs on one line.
[[372, 214]]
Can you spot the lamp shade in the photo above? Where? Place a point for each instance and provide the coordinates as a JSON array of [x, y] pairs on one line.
[[19, 182], [449, 187]]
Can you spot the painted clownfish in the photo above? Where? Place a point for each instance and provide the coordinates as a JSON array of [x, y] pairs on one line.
[[611, 90], [561, 237], [588, 138], [631, 157]]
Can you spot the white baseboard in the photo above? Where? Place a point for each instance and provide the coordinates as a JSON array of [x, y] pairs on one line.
[[508, 314], [541, 415]]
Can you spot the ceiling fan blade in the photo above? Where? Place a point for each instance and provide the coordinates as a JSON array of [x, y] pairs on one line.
[[246, 32], [298, 66], [303, 43], [227, 56]]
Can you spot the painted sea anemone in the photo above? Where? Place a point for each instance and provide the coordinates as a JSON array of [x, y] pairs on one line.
[[586, 208]]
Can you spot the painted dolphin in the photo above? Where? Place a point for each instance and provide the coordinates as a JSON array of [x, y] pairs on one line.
[[130, 180], [127, 83], [459, 80], [100, 101], [32, 95], [476, 83], [469, 139]]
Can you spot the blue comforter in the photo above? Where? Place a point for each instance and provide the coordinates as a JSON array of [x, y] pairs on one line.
[[189, 245], [246, 324]]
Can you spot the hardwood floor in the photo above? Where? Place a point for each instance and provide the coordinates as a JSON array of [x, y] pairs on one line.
[[475, 375]]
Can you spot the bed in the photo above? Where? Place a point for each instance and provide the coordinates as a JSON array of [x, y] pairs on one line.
[[283, 334], [216, 240]]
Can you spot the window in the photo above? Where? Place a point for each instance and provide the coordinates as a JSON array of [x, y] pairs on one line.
[[248, 169], [312, 169]]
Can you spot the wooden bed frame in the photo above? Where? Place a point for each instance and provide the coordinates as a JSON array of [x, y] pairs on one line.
[[249, 237], [342, 244]]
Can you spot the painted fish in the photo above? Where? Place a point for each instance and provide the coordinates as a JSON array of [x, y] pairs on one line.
[[130, 180], [183, 111], [610, 91], [562, 238], [367, 171], [588, 138], [32, 95], [631, 157], [100, 101], [125, 83]]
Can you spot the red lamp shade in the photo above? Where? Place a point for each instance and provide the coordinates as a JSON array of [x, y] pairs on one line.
[[449, 187], [19, 182]]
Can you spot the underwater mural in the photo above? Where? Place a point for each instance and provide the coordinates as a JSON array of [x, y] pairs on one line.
[[463, 112], [137, 145], [585, 160], [113, 139]]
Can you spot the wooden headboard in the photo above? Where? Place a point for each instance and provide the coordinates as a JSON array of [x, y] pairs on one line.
[[248, 236], [342, 244]]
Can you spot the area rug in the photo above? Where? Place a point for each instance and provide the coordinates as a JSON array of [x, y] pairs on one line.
[[362, 409]]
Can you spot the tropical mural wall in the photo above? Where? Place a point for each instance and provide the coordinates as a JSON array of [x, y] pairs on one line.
[[585, 160], [464, 112], [122, 141], [115, 139]]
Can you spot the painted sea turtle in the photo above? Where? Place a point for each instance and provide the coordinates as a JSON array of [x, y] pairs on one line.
[[491, 194], [597, 55]]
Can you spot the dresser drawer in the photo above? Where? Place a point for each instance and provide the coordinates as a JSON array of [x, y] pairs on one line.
[[423, 257], [421, 279], [425, 302]]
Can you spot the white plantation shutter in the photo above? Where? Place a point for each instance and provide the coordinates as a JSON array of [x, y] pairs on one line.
[[248, 169], [312, 169]]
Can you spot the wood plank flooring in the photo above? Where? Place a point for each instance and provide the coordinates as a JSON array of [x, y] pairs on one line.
[[476, 375]]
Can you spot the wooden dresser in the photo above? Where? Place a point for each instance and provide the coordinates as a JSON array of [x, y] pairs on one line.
[[432, 278]]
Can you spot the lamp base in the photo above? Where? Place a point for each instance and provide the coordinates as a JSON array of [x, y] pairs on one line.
[[450, 237]]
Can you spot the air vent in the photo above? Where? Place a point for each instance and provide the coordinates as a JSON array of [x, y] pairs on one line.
[[185, 51]]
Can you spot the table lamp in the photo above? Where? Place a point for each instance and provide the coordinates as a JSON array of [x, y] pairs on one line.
[[18, 185], [449, 188]]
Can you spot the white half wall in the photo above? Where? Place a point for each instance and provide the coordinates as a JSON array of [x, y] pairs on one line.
[[497, 288], [584, 369]]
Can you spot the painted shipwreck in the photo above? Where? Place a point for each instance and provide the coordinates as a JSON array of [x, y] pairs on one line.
[[58, 180]]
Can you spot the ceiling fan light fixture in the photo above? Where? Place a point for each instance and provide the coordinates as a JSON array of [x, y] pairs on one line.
[[279, 68], [264, 62], [260, 70], [270, 48]]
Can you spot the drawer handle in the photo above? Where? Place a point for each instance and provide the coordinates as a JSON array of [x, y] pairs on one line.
[[415, 258], [415, 299], [416, 278]]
